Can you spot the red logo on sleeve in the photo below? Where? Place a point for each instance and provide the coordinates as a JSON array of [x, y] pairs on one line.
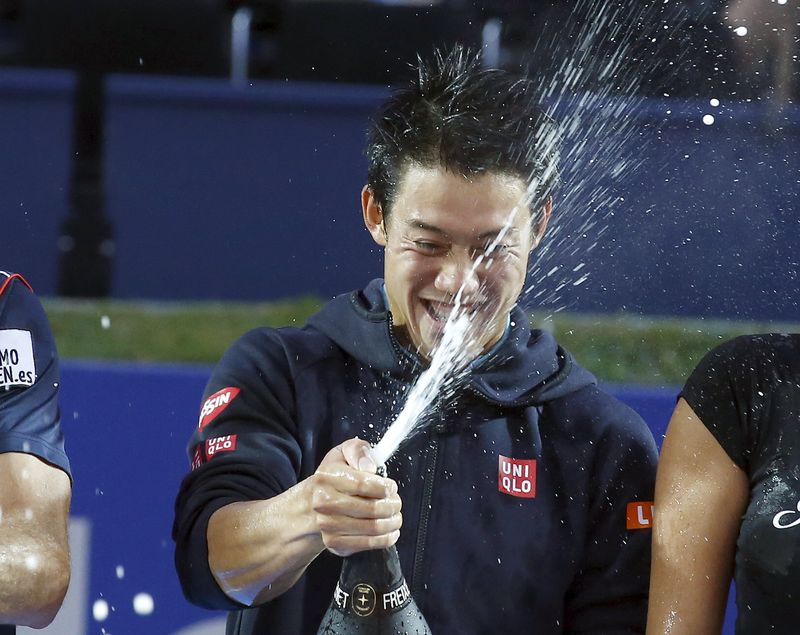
[[215, 404], [517, 477], [639, 515], [220, 444], [197, 458]]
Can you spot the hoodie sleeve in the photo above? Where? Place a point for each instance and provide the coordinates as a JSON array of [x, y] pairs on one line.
[[243, 448], [609, 594]]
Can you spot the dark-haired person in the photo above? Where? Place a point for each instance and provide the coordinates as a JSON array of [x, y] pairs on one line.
[[35, 486], [728, 494], [525, 499]]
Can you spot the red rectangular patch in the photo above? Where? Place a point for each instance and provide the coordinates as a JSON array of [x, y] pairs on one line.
[[517, 477], [220, 444], [639, 515]]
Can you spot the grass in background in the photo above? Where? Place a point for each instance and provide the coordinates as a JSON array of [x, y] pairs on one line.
[[617, 348], [164, 331], [646, 350]]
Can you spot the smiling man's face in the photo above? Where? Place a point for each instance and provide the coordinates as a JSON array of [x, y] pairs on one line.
[[439, 225]]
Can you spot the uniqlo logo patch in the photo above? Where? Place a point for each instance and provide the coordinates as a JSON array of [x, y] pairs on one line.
[[220, 444], [517, 477], [215, 404], [640, 515]]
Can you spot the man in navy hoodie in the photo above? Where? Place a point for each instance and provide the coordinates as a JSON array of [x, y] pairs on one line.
[[525, 497]]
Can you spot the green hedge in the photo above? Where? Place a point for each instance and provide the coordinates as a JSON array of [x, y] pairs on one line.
[[617, 348]]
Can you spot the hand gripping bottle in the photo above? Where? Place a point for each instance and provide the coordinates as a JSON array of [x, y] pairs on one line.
[[372, 597]]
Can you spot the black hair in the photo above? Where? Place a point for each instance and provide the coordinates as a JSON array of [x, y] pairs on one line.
[[467, 119]]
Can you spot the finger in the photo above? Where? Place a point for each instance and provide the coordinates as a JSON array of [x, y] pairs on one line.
[[348, 545], [335, 503], [353, 482], [357, 454], [346, 526]]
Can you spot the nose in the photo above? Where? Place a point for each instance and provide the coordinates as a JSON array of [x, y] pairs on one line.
[[457, 273]]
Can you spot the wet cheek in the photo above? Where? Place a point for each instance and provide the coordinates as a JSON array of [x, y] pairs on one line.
[[504, 286], [512, 270], [499, 277], [421, 273]]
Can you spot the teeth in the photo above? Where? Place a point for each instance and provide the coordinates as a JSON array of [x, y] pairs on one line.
[[439, 311]]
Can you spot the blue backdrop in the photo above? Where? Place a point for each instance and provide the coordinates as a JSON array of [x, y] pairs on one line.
[[219, 191]]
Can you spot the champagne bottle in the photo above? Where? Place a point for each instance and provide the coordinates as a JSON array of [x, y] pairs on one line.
[[372, 598]]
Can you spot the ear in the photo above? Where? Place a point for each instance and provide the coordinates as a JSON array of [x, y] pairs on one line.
[[373, 216], [541, 225]]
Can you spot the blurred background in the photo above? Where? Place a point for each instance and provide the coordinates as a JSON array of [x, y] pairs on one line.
[[141, 138], [173, 173]]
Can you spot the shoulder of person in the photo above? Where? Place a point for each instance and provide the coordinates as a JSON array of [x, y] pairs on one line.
[[598, 415], [741, 355], [287, 348], [22, 312], [10, 280]]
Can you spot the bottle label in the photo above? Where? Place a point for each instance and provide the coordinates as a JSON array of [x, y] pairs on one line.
[[363, 600], [398, 598], [340, 597]]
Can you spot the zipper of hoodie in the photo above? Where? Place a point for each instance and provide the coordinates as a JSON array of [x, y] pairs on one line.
[[431, 457], [402, 354]]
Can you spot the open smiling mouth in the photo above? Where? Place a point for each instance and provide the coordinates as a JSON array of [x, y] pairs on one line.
[[440, 311]]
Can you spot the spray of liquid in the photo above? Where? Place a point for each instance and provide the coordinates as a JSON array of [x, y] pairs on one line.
[[448, 360], [608, 50], [595, 96]]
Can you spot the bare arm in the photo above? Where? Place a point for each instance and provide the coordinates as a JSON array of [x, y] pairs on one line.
[[257, 550], [34, 551], [701, 495]]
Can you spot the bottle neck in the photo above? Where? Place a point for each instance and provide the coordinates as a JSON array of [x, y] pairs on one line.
[[372, 581]]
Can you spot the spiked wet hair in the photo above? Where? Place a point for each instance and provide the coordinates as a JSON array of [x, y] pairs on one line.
[[468, 120]]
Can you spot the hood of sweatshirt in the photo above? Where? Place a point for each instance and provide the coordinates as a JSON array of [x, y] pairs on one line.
[[527, 368]]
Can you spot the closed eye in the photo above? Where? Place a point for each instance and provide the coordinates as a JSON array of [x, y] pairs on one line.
[[491, 250], [497, 249], [427, 247]]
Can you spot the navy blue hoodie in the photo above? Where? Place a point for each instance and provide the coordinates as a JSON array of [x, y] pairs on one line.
[[525, 498]]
